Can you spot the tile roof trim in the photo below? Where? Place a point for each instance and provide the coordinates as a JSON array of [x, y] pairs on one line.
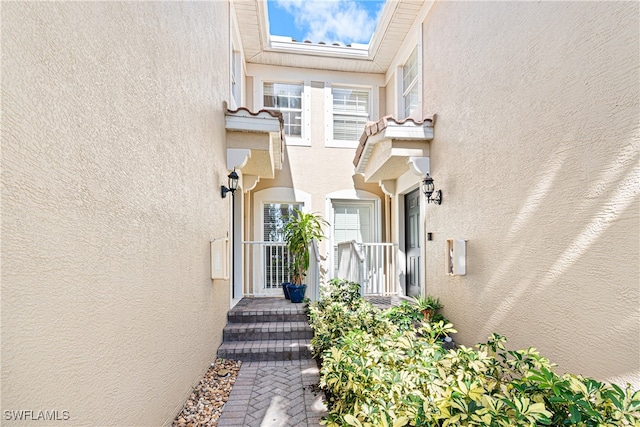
[[374, 128], [245, 112], [275, 114]]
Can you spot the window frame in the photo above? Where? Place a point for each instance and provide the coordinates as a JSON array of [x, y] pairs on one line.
[[294, 205], [290, 139], [331, 141], [415, 84]]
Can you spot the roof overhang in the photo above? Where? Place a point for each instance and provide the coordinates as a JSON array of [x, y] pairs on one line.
[[260, 47], [255, 142], [387, 146]]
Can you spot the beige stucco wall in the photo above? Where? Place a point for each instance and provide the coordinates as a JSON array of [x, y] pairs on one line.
[[317, 169], [536, 150], [112, 160]]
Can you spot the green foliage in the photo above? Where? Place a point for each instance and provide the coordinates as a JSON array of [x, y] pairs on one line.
[[428, 303], [377, 372], [301, 229], [340, 290], [405, 316], [335, 320]]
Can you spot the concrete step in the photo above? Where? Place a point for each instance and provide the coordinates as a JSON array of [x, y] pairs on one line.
[[256, 310], [258, 351], [263, 331]]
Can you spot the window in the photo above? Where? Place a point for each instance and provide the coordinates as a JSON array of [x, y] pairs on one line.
[[352, 220], [276, 267], [286, 98], [410, 86], [350, 113], [276, 215]]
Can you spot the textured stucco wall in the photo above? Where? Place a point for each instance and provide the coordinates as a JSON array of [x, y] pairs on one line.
[[112, 160], [536, 150], [317, 170]]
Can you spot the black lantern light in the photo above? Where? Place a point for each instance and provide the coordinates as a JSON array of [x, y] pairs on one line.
[[233, 184], [428, 190]]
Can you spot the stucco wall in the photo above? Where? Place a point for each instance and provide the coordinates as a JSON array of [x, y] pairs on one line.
[[316, 169], [112, 160], [536, 150]]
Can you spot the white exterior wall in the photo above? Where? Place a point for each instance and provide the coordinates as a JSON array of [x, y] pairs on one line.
[[536, 151], [112, 160]]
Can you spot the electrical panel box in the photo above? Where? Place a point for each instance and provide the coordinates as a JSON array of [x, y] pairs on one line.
[[220, 259], [456, 257]]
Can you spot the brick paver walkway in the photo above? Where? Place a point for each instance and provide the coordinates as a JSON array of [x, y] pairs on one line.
[[274, 394], [274, 387]]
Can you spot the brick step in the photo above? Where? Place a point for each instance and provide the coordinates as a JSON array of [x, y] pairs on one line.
[[264, 331], [259, 351], [283, 313]]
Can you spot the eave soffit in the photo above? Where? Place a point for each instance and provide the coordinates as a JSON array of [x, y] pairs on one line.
[[395, 22]]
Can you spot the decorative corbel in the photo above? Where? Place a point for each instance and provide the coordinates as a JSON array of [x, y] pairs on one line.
[[237, 158], [420, 165], [388, 186]]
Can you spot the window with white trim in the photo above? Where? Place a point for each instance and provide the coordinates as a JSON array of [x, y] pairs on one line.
[[276, 216], [351, 109], [410, 86], [286, 98], [277, 267], [352, 220]]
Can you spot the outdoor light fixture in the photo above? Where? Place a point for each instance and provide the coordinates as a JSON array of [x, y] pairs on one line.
[[233, 184], [428, 190]]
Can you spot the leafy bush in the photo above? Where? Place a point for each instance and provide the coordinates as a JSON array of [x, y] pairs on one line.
[[340, 290], [376, 373], [337, 319], [405, 316]]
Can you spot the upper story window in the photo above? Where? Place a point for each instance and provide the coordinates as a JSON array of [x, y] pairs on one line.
[[410, 85], [286, 98], [351, 109]]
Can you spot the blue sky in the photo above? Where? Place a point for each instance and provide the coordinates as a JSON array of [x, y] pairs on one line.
[[345, 21]]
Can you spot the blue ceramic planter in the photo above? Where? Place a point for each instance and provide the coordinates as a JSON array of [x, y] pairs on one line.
[[297, 292], [285, 289]]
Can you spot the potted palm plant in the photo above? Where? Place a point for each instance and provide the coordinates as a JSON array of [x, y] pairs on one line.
[[427, 306], [301, 229]]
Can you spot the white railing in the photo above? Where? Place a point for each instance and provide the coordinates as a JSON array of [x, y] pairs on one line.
[[266, 266], [373, 265]]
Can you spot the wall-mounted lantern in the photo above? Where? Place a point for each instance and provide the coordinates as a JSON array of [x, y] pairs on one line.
[[428, 190], [233, 184]]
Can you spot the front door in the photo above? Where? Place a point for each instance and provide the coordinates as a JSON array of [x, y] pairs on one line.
[[412, 241]]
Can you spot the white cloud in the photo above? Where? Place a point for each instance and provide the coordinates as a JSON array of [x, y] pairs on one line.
[[331, 21]]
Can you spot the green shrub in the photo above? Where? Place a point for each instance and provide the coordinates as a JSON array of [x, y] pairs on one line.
[[340, 290], [337, 319], [405, 316], [376, 373]]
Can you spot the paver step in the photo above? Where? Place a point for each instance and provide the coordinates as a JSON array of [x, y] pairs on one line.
[[266, 312], [263, 331], [258, 351]]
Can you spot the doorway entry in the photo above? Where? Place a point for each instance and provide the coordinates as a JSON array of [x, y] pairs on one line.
[[353, 220], [412, 242]]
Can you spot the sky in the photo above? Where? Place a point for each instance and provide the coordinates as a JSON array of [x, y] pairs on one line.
[[344, 21]]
